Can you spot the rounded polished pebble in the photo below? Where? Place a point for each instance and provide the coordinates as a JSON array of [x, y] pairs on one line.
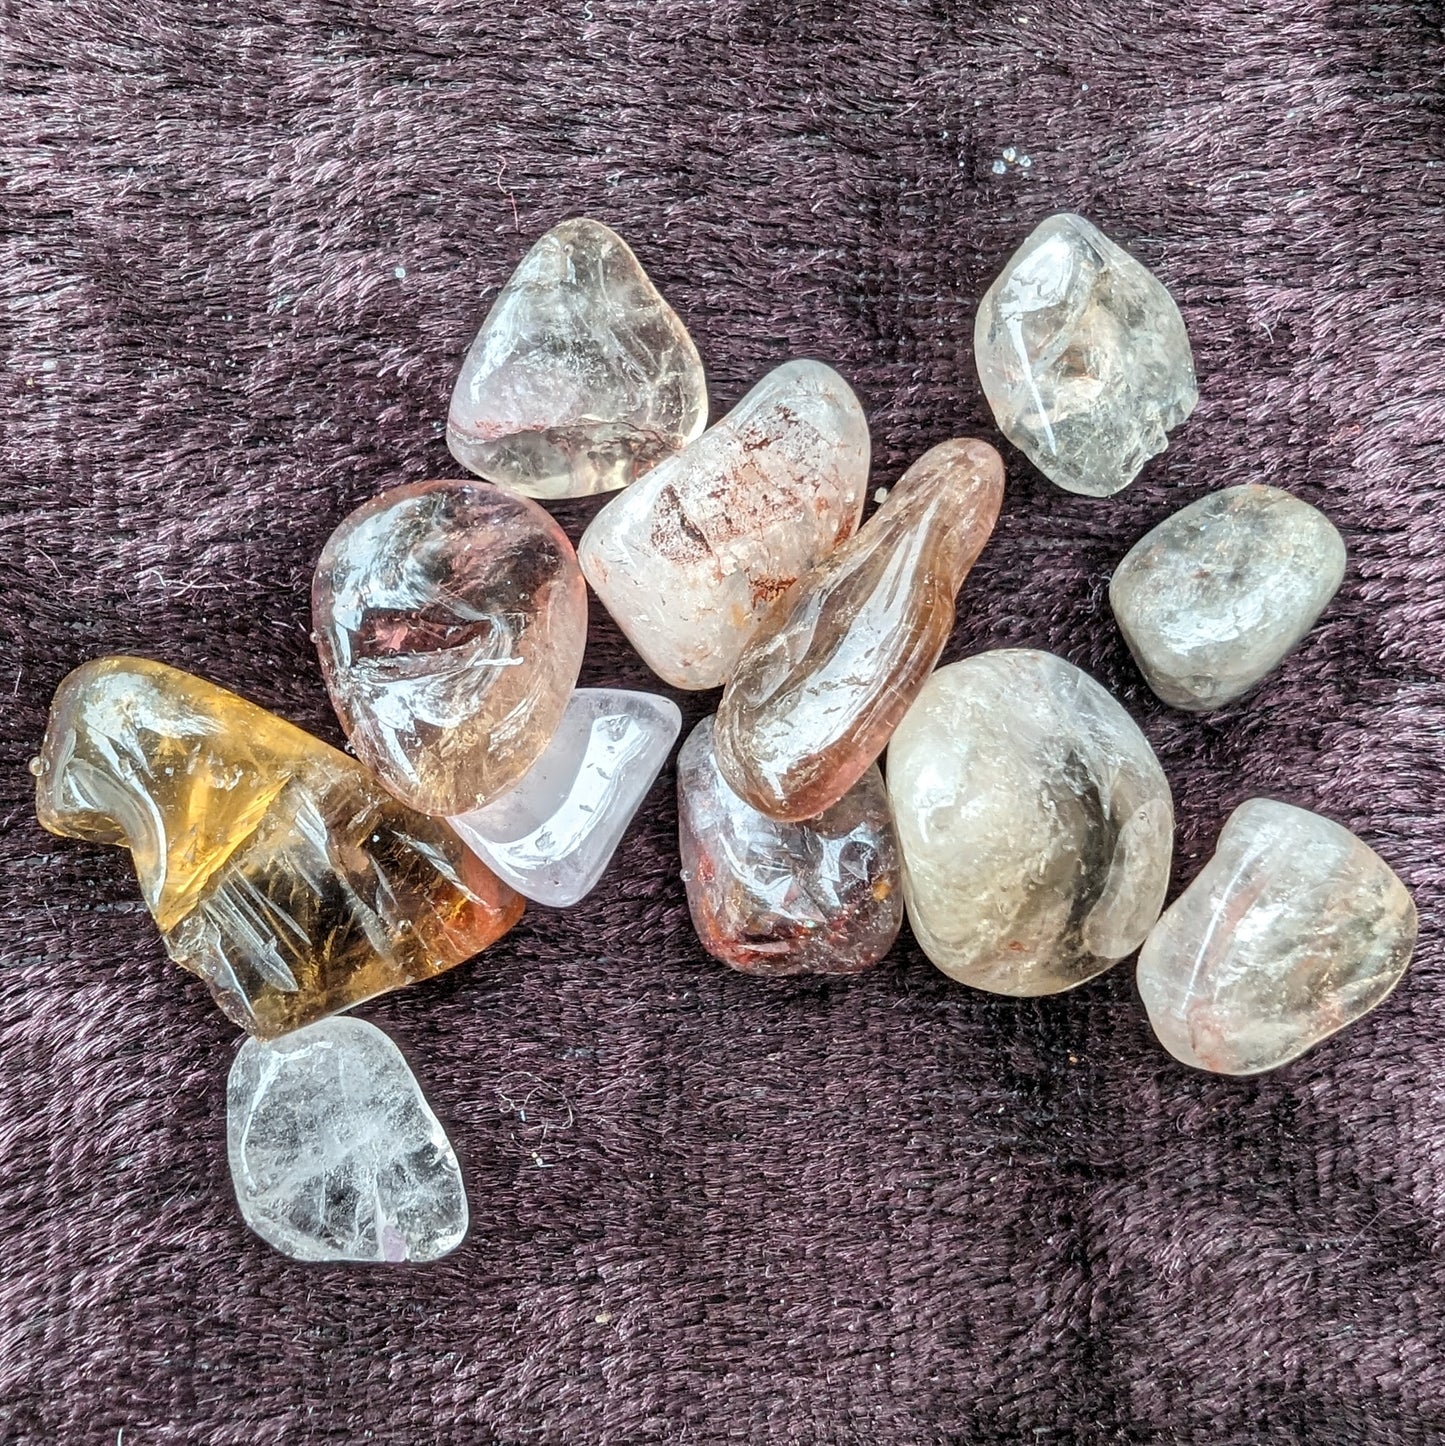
[[694, 560], [552, 835], [335, 1153], [1217, 595], [1035, 822], [581, 378], [451, 619], [772, 898], [1083, 357], [814, 701], [1294, 929]]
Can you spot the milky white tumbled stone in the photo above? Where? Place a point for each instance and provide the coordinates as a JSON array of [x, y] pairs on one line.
[[335, 1153], [1217, 595], [581, 378], [1083, 357], [554, 834], [695, 559], [1294, 929], [1035, 822]]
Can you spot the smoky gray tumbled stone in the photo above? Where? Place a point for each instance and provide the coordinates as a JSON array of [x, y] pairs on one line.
[[1217, 595]]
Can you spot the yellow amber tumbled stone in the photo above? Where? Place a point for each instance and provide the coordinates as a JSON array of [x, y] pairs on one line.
[[276, 868]]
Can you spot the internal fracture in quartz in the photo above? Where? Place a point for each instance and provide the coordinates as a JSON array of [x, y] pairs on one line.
[[694, 560], [275, 867], [581, 378], [335, 1153], [553, 835], [1294, 929], [775, 898], [1083, 357], [451, 619], [1035, 823], [1216, 596], [814, 701]]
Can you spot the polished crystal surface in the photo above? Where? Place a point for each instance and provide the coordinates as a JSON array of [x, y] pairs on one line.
[[1216, 596], [276, 868], [1083, 357], [814, 701], [694, 560], [450, 618], [1035, 822], [1294, 929], [774, 898], [335, 1153], [581, 378], [554, 834]]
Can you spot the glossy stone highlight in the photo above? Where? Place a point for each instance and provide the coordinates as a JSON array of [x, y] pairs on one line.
[[1216, 596], [1294, 929], [773, 898], [1083, 357], [1035, 823], [276, 868], [581, 378], [694, 560], [814, 701], [450, 619], [554, 834], [335, 1153]]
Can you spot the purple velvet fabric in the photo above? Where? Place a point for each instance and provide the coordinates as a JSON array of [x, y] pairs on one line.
[[244, 247]]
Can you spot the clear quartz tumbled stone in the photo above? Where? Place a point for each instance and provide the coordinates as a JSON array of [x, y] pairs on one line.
[[1083, 357], [1294, 929], [335, 1153]]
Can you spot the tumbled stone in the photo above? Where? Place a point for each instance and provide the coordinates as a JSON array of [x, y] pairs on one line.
[[335, 1153], [450, 618], [581, 378], [1035, 823], [775, 898], [694, 560], [276, 868], [1216, 596], [1083, 357], [1294, 929], [814, 701], [553, 835]]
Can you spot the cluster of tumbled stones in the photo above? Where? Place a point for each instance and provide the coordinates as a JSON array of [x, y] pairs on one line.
[[1025, 825]]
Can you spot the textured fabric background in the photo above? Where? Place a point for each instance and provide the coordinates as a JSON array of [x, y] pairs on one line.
[[245, 245]]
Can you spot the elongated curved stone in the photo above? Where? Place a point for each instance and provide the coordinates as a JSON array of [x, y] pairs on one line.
[[694, 560], [773, 898], [1083, 357], [450, 618], [335, 1153], [554, 834], [1035, 823], [275, 867], [1294, 929], [581, 378], [814, 702], [1215, 597]]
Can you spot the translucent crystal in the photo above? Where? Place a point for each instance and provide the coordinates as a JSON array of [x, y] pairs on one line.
[[814, 701], [1294, 929], [581, 378], [275, 867], [335, 1153], [1216, 596], [450, 618], [1083, 357], [694, 560], [554, 834], [773, 898], [1035, 823]]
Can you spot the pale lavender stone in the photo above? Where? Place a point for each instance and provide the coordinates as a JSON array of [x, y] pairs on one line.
[[553, 835]]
